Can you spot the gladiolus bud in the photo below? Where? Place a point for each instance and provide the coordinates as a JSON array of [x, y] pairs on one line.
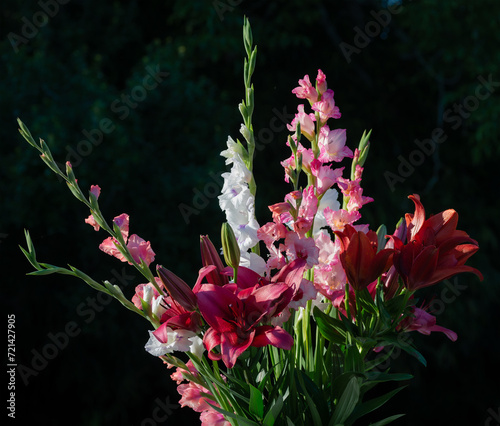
[[179, 291], [230, 246]]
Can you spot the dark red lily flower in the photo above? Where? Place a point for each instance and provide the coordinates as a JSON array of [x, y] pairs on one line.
[[435, 249], [176, 317], [360, 259], [235, 319]]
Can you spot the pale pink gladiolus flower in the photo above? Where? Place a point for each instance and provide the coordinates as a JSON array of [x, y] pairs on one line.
[[109, 246], [271, 232], [213, 418], [330, 278], [138, 248], [289, 163], [326, 107], [192, 397], [177, 375], [306, 123], [337, 220], [306, 90], [353, 190], [304, 248], [332, 145], [325, 176], [91, 221]]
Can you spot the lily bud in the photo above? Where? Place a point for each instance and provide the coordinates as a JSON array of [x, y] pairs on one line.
[[230, 246], [210, 256], [179, 291]]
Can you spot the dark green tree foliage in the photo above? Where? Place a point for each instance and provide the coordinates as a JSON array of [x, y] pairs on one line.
[[141, 97]]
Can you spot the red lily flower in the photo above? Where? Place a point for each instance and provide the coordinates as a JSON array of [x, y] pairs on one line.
[[234, 318], [360, 260], [435, 250]]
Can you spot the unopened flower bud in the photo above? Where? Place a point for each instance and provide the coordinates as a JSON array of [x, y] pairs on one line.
[[230, 246], [210, 256], [179, 291]]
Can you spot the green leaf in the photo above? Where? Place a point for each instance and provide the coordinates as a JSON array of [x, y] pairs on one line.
[[316, 418], [398, 341], [376, 376], [353, 359], [366, 301], [387, 420], [339, 384], [330, 328], [256, 405], [371, 405], [346, 403], [381, 233], [274, 412]]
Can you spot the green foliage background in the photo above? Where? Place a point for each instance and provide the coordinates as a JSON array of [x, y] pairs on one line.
[[410, 78]]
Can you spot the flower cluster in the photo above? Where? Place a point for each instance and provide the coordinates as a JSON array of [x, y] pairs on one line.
[[290, 328]]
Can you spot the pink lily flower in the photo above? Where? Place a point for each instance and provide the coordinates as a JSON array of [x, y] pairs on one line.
[[425, 323]]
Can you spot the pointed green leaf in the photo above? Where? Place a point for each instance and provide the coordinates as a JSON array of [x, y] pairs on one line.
[[256, 405], [346, 403]]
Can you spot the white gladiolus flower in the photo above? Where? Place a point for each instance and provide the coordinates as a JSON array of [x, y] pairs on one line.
[[178, 340]]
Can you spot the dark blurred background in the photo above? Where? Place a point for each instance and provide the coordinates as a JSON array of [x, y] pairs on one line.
[[76, 72]]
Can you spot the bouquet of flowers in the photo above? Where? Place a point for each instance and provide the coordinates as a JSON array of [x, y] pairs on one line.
[[298, 324]]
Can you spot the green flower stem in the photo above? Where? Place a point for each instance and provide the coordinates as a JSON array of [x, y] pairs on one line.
[[91, 203]]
